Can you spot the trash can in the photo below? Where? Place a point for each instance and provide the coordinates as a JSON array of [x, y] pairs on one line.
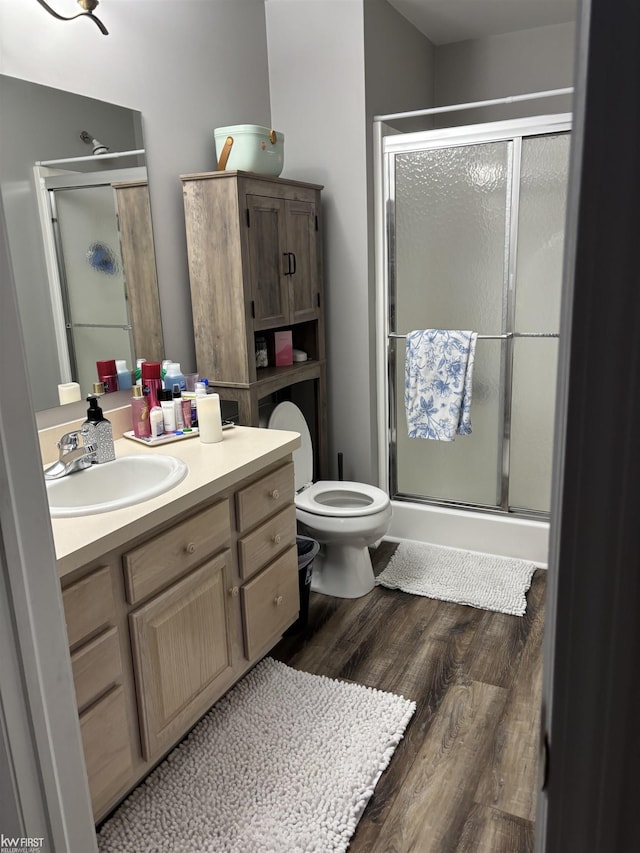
[[307, 550]]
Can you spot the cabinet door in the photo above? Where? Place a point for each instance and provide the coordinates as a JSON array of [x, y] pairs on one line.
[[182, 654], [301, 243], [268, 261]]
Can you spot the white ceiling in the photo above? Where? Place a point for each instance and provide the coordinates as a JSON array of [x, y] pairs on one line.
[[445, 21]]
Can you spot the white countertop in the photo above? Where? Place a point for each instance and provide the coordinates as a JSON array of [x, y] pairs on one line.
[[212, 468]]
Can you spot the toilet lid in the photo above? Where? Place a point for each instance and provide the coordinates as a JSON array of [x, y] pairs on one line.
[[288, 416]]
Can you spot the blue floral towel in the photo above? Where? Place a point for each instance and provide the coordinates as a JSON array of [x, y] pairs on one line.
[[438, 375]]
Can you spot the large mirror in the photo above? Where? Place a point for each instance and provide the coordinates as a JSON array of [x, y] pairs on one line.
[[79, 226]]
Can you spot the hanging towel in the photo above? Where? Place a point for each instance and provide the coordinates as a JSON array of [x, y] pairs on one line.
[[438, 377]]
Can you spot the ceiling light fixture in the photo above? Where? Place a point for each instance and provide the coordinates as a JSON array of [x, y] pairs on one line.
[[87, 5]]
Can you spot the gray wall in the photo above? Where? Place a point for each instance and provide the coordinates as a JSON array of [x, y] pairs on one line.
[[189, 66], [511, 64]]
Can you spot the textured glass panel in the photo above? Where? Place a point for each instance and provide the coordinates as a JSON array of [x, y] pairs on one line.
[[541, 223], [91, 251], [93, 345], [450, 224]]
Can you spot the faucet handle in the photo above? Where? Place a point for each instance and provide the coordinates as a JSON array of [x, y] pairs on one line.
[[68, 442]]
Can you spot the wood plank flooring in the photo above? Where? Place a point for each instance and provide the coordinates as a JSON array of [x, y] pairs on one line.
[[464, 777]]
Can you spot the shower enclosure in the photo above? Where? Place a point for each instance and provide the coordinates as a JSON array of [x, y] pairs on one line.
[[472, 229]]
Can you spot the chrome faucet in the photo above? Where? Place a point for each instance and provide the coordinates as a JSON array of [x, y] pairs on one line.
[[76, 452]]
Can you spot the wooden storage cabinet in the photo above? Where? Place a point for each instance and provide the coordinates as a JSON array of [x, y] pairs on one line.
[[254, 248]]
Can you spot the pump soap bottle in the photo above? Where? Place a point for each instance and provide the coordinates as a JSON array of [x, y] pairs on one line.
[[100, 432]]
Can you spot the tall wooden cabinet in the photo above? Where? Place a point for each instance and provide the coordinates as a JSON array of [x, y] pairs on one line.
[[255, 266]]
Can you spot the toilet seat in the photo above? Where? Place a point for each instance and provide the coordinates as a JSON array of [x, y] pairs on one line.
[[330, 498], [342, 498]]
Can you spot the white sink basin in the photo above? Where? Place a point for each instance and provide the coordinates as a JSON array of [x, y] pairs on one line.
[[126, 481]]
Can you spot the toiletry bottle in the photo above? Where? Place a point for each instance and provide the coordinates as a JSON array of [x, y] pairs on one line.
[[101, 434], [201, 391], [139, 364], [209, 418], [140, 413], [124, 375], [151, 381], [163, 370], [174, 376], [108, 375], [168, 409], [177, 405], [156, 420]]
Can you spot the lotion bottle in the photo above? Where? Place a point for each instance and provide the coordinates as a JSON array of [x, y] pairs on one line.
[[168, 409], [100, 431], [124, 375]]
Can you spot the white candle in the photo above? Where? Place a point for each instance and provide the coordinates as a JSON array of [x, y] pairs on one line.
[[209, 418], [68, 392]]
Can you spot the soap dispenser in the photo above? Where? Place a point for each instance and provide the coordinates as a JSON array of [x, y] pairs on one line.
[[100, 433]]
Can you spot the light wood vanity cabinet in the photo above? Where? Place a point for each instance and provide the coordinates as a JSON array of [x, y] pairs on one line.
[[162, 627], [254, 247], [91, 617]]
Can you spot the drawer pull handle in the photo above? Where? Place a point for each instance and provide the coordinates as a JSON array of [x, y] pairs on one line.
[[275, 494], [276, 539], [233, 591], [190, 548], [277, 601]]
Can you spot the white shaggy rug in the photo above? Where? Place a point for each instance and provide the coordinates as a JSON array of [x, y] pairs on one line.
[[463, 577], [286, 761]]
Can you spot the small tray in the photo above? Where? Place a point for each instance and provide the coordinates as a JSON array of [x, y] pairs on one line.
[[165, 438]]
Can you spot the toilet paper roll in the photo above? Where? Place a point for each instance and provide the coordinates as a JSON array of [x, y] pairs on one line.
[[69, 392], [209, 418]]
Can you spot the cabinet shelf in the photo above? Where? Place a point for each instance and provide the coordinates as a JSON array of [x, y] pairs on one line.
[[278, 376]]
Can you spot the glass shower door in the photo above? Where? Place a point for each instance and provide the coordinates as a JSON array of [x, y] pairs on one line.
[[475, 241], [451, 239]]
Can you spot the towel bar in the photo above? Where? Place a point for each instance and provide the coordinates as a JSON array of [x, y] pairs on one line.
[[500, 337]]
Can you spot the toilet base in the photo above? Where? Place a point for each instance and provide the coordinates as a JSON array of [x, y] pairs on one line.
[[344, 571]]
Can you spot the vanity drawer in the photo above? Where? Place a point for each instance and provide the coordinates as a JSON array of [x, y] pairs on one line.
[[107, 751], [96, 666], [169, 555], [88, 606], [260, 547], [270, 602], [264, 497]]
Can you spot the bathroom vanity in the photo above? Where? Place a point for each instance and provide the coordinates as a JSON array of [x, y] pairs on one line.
[[169, 602]]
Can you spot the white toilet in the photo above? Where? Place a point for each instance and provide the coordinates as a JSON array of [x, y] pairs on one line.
[[344, 517]]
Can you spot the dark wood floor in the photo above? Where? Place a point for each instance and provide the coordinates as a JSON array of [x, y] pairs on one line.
[[464, 777]]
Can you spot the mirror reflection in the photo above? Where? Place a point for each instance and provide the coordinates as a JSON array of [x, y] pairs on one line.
[[75, 194]]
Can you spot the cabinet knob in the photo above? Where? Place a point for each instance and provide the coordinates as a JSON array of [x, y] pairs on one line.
[[277, 601], [190, 548], [275, 494], [233, 591], [276, 539]]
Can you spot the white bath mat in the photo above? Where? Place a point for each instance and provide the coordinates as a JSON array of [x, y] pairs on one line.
[[286, 761], [463, 577]]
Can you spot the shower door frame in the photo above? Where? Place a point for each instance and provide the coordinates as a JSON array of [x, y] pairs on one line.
[[388, 337]]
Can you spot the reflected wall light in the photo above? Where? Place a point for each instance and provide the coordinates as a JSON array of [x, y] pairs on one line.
[[87, 5]]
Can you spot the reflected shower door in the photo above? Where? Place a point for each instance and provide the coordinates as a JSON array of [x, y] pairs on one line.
[[90, 262], [451, 237]]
